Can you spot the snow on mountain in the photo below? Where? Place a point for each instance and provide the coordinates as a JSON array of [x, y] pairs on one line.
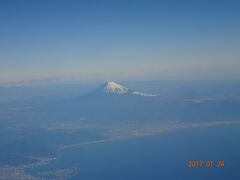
[[114, 88], [111, 87]]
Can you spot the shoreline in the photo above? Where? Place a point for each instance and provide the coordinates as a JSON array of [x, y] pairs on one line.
[[139, 133], [145, 132]]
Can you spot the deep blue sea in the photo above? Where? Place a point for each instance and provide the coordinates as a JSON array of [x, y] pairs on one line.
[[159, 157]]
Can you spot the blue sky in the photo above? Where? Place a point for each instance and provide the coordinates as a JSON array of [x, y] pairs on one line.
[[119, 40]]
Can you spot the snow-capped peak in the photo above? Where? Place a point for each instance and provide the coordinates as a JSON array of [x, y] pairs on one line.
[[114, 88], [111, 87]]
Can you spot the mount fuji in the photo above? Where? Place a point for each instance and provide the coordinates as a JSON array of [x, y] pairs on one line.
[[113, 88], [111, 102]]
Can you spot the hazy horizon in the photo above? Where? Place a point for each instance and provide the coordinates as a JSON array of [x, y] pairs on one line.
[[124, 40]]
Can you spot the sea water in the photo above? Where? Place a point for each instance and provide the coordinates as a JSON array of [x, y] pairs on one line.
[[160, 157]]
